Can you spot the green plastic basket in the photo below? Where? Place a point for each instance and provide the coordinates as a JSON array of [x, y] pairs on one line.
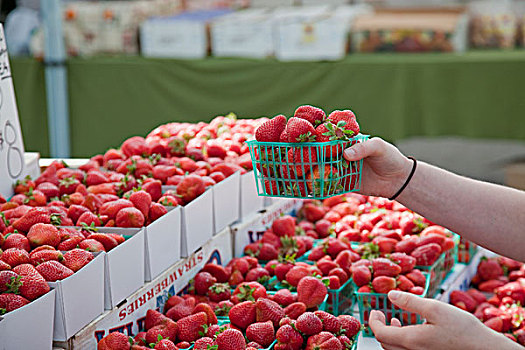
[[436, 274], [312, 170], [451, 256], [466, 250], [340, 301], [379, 301]]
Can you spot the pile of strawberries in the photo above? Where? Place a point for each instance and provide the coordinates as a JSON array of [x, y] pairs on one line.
[[497, 296], [297, 170]]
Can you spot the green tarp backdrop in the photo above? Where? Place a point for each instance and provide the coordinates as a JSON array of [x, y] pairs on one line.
[[478, 94]]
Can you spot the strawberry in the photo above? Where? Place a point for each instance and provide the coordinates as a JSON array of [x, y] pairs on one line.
[[309, 324], [171, 302], [112, 208], [15, 256], [45, 255], [202, 282], [75, 211], [386, 245], [226, 168], [330, 323], [426, 255], [417, 290], [106, 188], [135, 145], [262, 333], [323, 180], [383, 284], [287, 335], [296, 274], [153, 318], [340, 273], [495, 323], [271, 130], [486, 286], [217, 271], [190, 188], [283, 297], [181, 310], [385, 267], [76, 259], [311, 291], [165, 330], [207, 309], [258, 274], [67, 185], [345, 119], [477, 295], [32, 282], [191, 326], [10, 302], [48, 175], [35, 198], [203, 343], [41, 234], [130, 217], [489, 269], [91, 245], [32, 217], [107, 241], [323, 341], [16, 240], [463, 300], [219, 292], [268, 310], [404, 284], [23, 186], [165, 344], [223, 308], [406, 262], [312, 114], [417, 277], [230, 339], [95, 177], [284, 226], [156, 211], [295, 310], [54, 271], [325, 264], [350, 324], [300, 130], [243, 314], [142, 201], [8, 280]]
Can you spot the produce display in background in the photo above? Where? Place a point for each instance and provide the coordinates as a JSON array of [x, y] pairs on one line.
[[497, 296], [302, 157], [494, 24]]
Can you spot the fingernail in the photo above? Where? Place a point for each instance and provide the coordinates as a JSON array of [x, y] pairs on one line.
[[394, 295], [350, 152]]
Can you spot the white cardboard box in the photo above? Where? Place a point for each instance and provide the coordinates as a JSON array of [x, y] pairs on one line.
[[250, 201], [32, 164], [129, 317], [197, 223], [162, 239], [248, 33], [29, 327], [124, 272], [226, 202], [273, 3], [182, 36], [79, 299]]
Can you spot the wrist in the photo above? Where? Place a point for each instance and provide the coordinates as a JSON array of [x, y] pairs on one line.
[[402, 179]]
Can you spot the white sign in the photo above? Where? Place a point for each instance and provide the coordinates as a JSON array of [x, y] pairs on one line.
[[11, 142]]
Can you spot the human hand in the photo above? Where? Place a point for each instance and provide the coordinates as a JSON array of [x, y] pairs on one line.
[[385, 168], [446, 327]]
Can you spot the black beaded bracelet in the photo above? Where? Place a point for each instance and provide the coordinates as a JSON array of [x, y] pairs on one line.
[[407, 181]]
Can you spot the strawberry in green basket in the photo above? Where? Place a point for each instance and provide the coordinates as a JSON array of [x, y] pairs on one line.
[[327, 183]]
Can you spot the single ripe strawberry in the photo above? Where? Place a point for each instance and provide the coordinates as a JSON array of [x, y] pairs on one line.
[[10, 302], [323, 180], [309, 324], [262, 333], [107, 241], [383, 284], [294, 310], [207, 309], [165, 330], [283, 297], [91, 245], [76, 259], [16, 240], [323, 340], [287, 335], [330, 323], [153, 318], [417, 277], [15, 256], [54, 271], [231, 339], [203, 343], [32, 282], [268, 310], [243, 314], [312, 114], [296, 274], [300, 130], [191, 326], [8, 280], [165, 344], [350, 324], [348, 118], [271, 130], [182, 309], [32, 217], [385, 267], [202, 282], [45, 255], [217, 271], [114, 340], [406, 262], [426, 255], [41, 234], [142, 201], [311, 291], [219, 292], [130, 217]]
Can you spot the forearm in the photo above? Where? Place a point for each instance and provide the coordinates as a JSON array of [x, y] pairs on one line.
[[491, 215]]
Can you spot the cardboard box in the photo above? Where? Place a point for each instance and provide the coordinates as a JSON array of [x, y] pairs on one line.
[[29, 327], [248, 33], [515, 175], [250, 201], [197, 223], [253, 228], [79, 299], [129, 317], [273, 3], [162, 239], [226, 197], [124, 266], [182, 36], [314, 33], [32, 168]]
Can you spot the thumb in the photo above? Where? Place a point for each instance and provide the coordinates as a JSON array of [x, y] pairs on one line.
[[426, 308], [372, 147]]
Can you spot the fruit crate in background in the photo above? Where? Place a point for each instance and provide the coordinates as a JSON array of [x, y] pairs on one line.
[[466, 250], [379, 301], [451, 256], [323, 170], [436, 274]]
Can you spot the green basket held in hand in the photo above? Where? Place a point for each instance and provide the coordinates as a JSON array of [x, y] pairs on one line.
[[314, 170]]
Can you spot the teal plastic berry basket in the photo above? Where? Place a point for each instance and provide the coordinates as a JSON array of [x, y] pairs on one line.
[[340, 301], [436, 273], [379, 301], [308, 170], [451, 256], [466, 250]]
